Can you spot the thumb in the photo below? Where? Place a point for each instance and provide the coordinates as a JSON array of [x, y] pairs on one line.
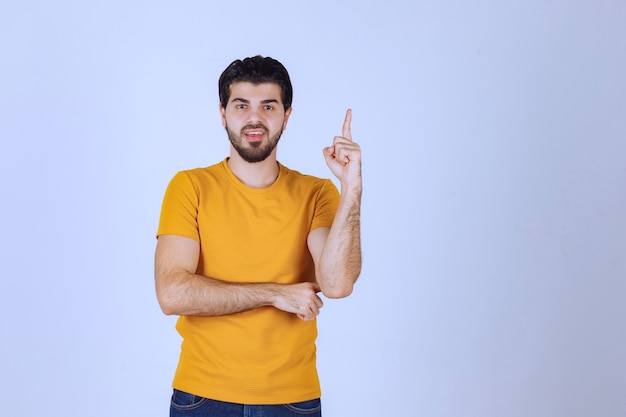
[[329, 153]]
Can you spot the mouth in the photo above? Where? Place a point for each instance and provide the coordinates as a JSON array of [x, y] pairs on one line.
[[254, 133], [254, 136]]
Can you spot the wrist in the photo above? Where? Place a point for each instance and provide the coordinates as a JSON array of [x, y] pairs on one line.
[[352, 189], [272, 293]]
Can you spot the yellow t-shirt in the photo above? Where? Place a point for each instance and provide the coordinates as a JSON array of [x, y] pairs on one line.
[[265, 355]]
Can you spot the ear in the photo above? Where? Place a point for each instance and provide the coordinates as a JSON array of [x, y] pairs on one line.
[[223, 114], [287, 114]]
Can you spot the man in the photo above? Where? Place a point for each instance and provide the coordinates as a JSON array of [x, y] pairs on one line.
[[245, 246]]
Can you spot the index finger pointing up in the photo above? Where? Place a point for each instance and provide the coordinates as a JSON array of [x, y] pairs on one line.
[[345, 131]]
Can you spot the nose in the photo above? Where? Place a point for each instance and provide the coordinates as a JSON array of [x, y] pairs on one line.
[[254, 116]]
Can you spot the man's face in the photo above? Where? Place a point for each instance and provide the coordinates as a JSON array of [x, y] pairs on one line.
[[254, 118]]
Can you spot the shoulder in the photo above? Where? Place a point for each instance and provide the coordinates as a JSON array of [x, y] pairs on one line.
[[297, 177], [214, 170], [198, 176], [310, 188]]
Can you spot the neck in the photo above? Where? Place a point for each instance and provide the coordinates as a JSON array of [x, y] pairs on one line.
[[256, 175]]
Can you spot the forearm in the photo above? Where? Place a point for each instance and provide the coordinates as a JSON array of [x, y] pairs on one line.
[[183, 292], [187, 294], [340, 262]]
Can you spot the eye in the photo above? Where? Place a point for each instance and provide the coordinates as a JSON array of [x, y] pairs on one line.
[[268, 107], [240, 106]]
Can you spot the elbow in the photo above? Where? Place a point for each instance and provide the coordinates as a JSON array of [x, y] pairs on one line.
[[340, 285], [167, 304], [167, 309], [337, 291]]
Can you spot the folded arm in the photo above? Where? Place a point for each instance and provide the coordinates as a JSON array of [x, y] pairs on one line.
[[181, 291]]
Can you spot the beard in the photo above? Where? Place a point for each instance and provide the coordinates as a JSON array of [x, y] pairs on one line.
[[253, 151]]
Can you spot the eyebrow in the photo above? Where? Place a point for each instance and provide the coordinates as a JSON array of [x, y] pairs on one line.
[[243, 100]]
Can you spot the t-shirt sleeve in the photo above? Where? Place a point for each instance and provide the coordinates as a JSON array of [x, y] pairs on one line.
[[325, 205], [179, 212]]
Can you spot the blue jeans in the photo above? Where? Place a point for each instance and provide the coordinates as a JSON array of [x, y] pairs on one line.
[[189, 405]]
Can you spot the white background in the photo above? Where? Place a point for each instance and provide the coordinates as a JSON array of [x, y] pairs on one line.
[[494, 213]]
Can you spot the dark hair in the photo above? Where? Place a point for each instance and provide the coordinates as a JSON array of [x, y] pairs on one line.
[[256, 70]]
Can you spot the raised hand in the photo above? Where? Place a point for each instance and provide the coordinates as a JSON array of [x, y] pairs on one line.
[[344, 156]]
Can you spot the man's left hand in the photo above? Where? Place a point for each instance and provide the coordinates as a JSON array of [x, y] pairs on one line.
[[344, 156]]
